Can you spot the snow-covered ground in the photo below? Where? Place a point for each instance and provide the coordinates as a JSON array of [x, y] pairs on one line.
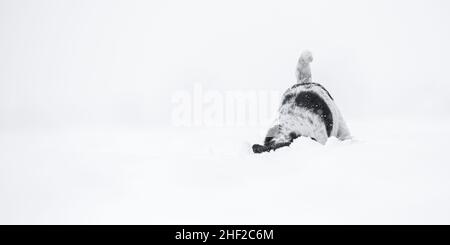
[[393, 172], [86, 107]]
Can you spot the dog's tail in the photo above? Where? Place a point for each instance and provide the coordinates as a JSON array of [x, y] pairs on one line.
[[303, 71]]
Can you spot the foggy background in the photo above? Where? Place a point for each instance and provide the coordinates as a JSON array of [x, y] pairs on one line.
[[81, 63], [86, 134]]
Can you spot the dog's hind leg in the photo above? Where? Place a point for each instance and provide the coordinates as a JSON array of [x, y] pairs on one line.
[[343, 132], [275, 139]]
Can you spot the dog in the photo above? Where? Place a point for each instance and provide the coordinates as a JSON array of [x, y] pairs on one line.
[[307, 110]]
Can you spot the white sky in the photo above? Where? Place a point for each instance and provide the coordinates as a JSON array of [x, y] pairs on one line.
[[97, 62]]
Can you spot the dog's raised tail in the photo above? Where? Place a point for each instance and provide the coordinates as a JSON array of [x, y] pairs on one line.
[[303, 71]]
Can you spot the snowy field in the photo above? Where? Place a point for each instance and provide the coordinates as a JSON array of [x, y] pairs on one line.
[[87, 134], [393, 172]]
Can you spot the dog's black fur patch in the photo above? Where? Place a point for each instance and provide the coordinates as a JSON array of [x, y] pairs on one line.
[[313, 102], [267, 141], [287, 98]]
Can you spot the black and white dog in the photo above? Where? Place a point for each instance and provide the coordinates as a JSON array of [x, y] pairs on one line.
[[307, 109]]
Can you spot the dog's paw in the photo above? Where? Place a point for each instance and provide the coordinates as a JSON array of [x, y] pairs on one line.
[[259, 148]]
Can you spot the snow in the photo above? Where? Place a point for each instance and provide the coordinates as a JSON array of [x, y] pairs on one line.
[[392, 172], [86, 105]]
